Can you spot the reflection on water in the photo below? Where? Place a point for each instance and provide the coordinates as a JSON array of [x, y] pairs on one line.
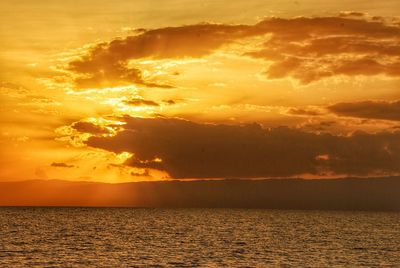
[[113, 237]]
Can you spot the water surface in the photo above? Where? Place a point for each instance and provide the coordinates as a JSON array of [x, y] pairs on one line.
[[124, 237]]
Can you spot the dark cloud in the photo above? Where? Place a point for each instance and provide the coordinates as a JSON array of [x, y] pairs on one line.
[[186, 149], [369, 109], [62, 165], [141, 102], [321, 126], [88, 127], [306, 111], [146, 173]]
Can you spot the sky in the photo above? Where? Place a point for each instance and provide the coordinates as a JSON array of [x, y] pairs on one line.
[[121, 91]]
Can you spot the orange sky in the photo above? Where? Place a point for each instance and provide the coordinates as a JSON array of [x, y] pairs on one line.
[[153, 90]]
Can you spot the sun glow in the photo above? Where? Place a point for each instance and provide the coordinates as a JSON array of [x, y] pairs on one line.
[[77, 88]]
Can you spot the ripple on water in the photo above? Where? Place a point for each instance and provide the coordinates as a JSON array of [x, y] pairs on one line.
[[112, 237]]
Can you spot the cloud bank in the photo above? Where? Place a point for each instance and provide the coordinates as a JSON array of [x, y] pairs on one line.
[[186, 149]]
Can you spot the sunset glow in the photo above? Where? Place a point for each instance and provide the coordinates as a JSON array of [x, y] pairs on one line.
[[199, 133], [110, 92]]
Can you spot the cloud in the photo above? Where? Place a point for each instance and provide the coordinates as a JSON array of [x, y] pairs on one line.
[[310, 49], [185, 149], [305, 48], [352, 14], [166, 43], [308, 111], [88, 127], [144, 102], [104, 74], [170, 102], [385, 110], [141, 102], [62, 165], [107, 63], [146, 173]]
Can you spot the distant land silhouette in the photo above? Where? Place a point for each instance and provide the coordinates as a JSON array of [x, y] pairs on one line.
[[378, 194]]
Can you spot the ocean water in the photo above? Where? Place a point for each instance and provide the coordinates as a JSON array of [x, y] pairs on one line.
[[124, 237]]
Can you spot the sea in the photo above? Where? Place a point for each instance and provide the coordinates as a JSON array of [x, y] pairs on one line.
[[143, 237]]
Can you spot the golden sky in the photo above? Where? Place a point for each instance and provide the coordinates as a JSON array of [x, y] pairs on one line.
[[122, 90]]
